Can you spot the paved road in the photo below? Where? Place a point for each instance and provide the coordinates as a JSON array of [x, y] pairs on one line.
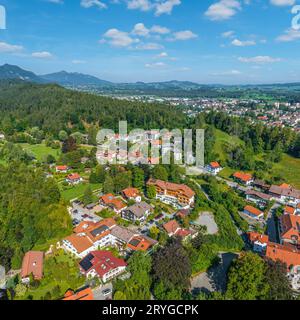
[[98, 292], [271, 224], [215, 278]]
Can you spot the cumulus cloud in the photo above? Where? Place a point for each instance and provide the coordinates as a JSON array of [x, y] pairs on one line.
[[9, 48], [239, 43], [184, 35], [118, 38], [259, 59], [159, 6], [140, 30], [228, 34], [92, 3], [160, 30], [289, 35], [42, 55], [282, 3], [223, 10]]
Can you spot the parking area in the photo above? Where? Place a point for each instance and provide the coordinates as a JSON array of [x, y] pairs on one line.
[[103, 292], [207, 219], [79, 213]]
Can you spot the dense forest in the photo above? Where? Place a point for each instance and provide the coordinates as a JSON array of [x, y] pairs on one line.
[[31, 212], [53, 108]]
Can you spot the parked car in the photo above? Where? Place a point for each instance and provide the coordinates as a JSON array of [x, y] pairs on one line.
[[106, 292]]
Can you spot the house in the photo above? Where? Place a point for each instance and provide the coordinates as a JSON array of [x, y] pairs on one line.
[[177, 195], [298, 209], [137, 212], [289, 210], [73, 178], [132, 194], [121, 236], [61, 169], [261, 199], [32, 265], [253, 212], [258, 241], [285, 194], [214, 168], [289, 227], [141, 243], [183, 213], [286, 254], [89, 236], [173, 229], [243, 178], [116, 204], [260, 184], [84, 294], [102, 264]]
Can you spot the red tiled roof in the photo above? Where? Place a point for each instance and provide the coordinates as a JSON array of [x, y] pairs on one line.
[[139, 243], [33, 264], [289, 210], [283, 253], [254, 236], [62, 168], [74, 176], [131, 192], [215, 165], [86, 294], [180, 188], [253, 210], [171, 226], [107, 198], [105, 261], [243, 176], [290, 225]]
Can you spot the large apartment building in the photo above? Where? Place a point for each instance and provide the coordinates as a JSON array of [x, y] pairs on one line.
[[178, 195]]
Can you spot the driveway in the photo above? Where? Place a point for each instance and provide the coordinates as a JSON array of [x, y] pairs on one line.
[[80, 213], [215, 279], [98, 292], [271, 224]]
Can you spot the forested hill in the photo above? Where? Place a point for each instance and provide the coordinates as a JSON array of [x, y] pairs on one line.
[[53, 108]]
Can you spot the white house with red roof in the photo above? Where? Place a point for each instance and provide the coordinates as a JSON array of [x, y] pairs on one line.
[[74, 178], [258, 241], [253, 213], [214, 168], [61, 169], [132, 194], [102, 264]]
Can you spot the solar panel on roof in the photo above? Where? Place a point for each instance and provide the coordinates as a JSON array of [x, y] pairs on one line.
[[86, 263], [99, 230], [134, 242]]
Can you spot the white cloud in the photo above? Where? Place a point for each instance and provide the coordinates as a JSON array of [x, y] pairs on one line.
[[259, 59], [91, 3], [223, 10], [227, 73], [239, 43], [160, 30], [9, 48], [184, 35], [149, 46], [140, 30], [143, 5], [159, 6], [75, 61], [228, 34], [289, 35], [166, 7], [118, 38], [282, 3], [155, 65], [42, 55], [56, 1], [162, 55]]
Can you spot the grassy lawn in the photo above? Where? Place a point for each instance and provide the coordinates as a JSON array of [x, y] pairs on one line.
[[289, 169], [40, 151], [60, 270], [77, 191], [223, 139]]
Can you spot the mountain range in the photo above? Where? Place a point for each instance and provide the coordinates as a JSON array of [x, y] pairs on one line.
[[84, 81]]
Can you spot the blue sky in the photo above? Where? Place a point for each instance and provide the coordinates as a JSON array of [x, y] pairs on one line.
[[213, 41]]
